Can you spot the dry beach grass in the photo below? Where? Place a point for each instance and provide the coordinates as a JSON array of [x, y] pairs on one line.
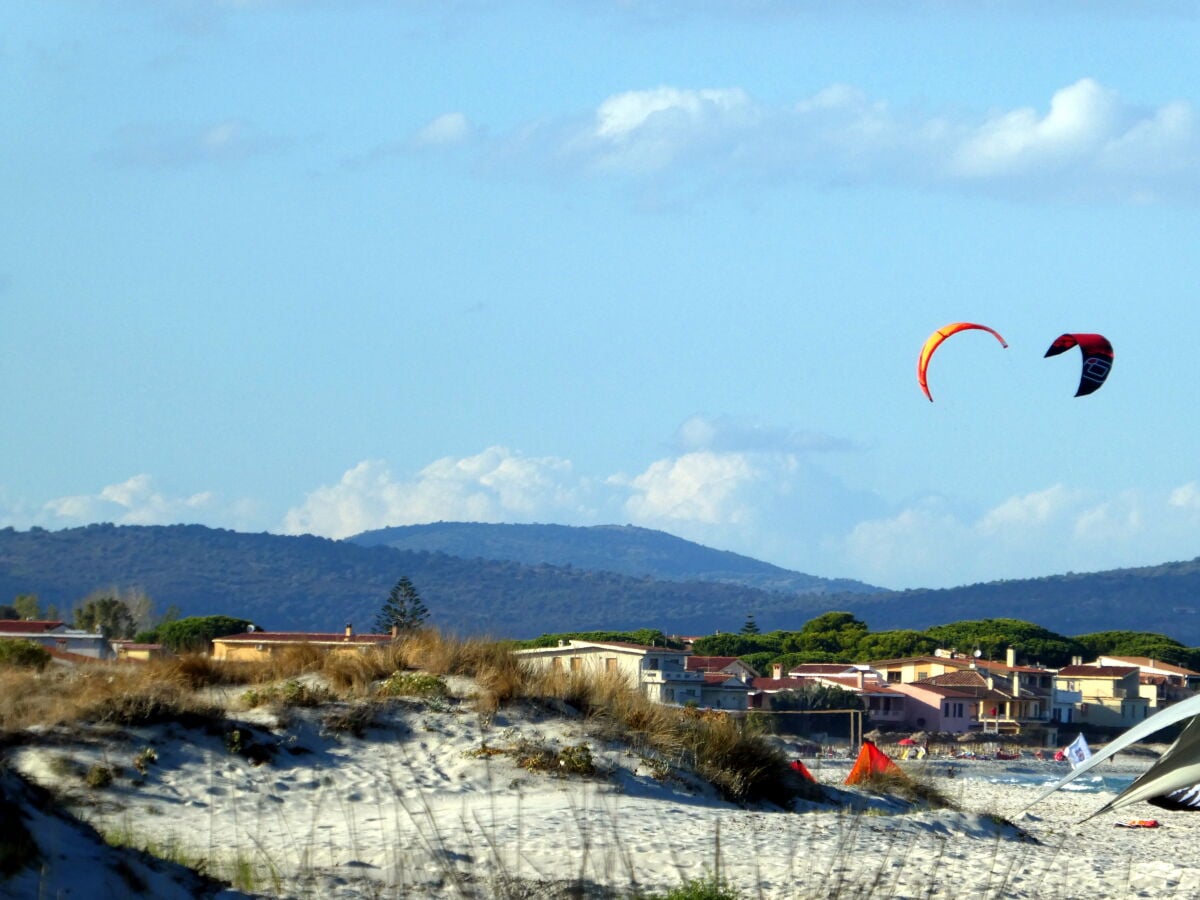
[[466, 776]]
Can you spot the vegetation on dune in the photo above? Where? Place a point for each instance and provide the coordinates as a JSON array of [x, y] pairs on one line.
[[23, 654]]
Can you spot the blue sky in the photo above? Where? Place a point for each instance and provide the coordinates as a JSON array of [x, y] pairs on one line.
[[333, 265]]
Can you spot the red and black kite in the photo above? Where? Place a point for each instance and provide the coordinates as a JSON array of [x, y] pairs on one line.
[[1097, 358]]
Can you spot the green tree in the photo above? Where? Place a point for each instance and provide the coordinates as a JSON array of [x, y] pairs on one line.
[[993, 637], [403, 609], [894, 645], [105, 614], [1136, 643], [750, 626], [195, 634], [27, 606], [737, 644]]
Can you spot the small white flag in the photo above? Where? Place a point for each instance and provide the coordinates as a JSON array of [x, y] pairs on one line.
[[1078, 751]]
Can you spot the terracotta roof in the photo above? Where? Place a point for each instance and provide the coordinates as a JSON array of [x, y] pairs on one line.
[[717, 678], [1004, 667], [130, 645], [297, 637], [966, 678], [1096, 671], [69, 657], [1145, 662], [27, 626]]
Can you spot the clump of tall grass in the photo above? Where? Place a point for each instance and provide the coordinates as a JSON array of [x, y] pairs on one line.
[[913, 788], [727, 751]]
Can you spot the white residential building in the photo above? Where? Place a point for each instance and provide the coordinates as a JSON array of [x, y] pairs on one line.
[[660, 673]]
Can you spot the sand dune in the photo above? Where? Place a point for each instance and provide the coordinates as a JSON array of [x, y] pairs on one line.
[[430, 803]]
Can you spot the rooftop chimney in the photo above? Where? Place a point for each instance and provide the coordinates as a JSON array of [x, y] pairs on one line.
[[1010, 657], [776, 670], [862, 680], [349, 630]]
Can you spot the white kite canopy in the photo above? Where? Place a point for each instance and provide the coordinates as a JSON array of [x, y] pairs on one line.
[[1176, 770]]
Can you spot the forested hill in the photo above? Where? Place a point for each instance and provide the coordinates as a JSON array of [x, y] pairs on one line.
[[626, 549], [1163, 599], [311, 583], [317, 584]]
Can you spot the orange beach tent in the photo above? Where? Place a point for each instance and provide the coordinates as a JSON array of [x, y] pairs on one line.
[[871, 761]]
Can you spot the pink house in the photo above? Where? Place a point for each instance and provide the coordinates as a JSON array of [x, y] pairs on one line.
[[933, 707]]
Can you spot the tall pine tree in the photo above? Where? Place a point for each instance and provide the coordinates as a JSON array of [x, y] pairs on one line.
[[403, 610]]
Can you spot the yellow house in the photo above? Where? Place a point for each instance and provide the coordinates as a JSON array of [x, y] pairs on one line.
[[1110, 695], [129, 651], [258, 645], [908, 669]]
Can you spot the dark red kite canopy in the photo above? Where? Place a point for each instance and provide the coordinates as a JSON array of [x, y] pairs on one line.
[[1097, 358]]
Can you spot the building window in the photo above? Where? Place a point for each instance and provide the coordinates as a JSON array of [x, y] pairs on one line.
[[556, 664], [652, 662], [893, 677], [610, 664], [576, 663]]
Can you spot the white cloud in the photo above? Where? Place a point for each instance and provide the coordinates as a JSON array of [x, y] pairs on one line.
[[449, 128], [703, 488], [1088, 143], [135, 501], [1041, 533], [496, 485], [161, 146]]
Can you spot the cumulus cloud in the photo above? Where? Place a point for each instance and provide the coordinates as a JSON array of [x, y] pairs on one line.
[[1088, 142], [496, 485], [135, 501], [449, 128], [931, 542], [164, 147], [702, 488]]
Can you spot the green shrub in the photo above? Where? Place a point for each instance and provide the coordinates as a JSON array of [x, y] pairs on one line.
[[712, 888], [27, 654], [535, 756], [290, 693], [99, 776], [413, 684]]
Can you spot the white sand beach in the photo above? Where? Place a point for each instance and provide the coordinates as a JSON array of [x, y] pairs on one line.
[[428, 804]]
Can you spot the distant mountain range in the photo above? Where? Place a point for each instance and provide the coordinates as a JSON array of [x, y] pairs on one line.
[[525, 580], [624, 549]]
